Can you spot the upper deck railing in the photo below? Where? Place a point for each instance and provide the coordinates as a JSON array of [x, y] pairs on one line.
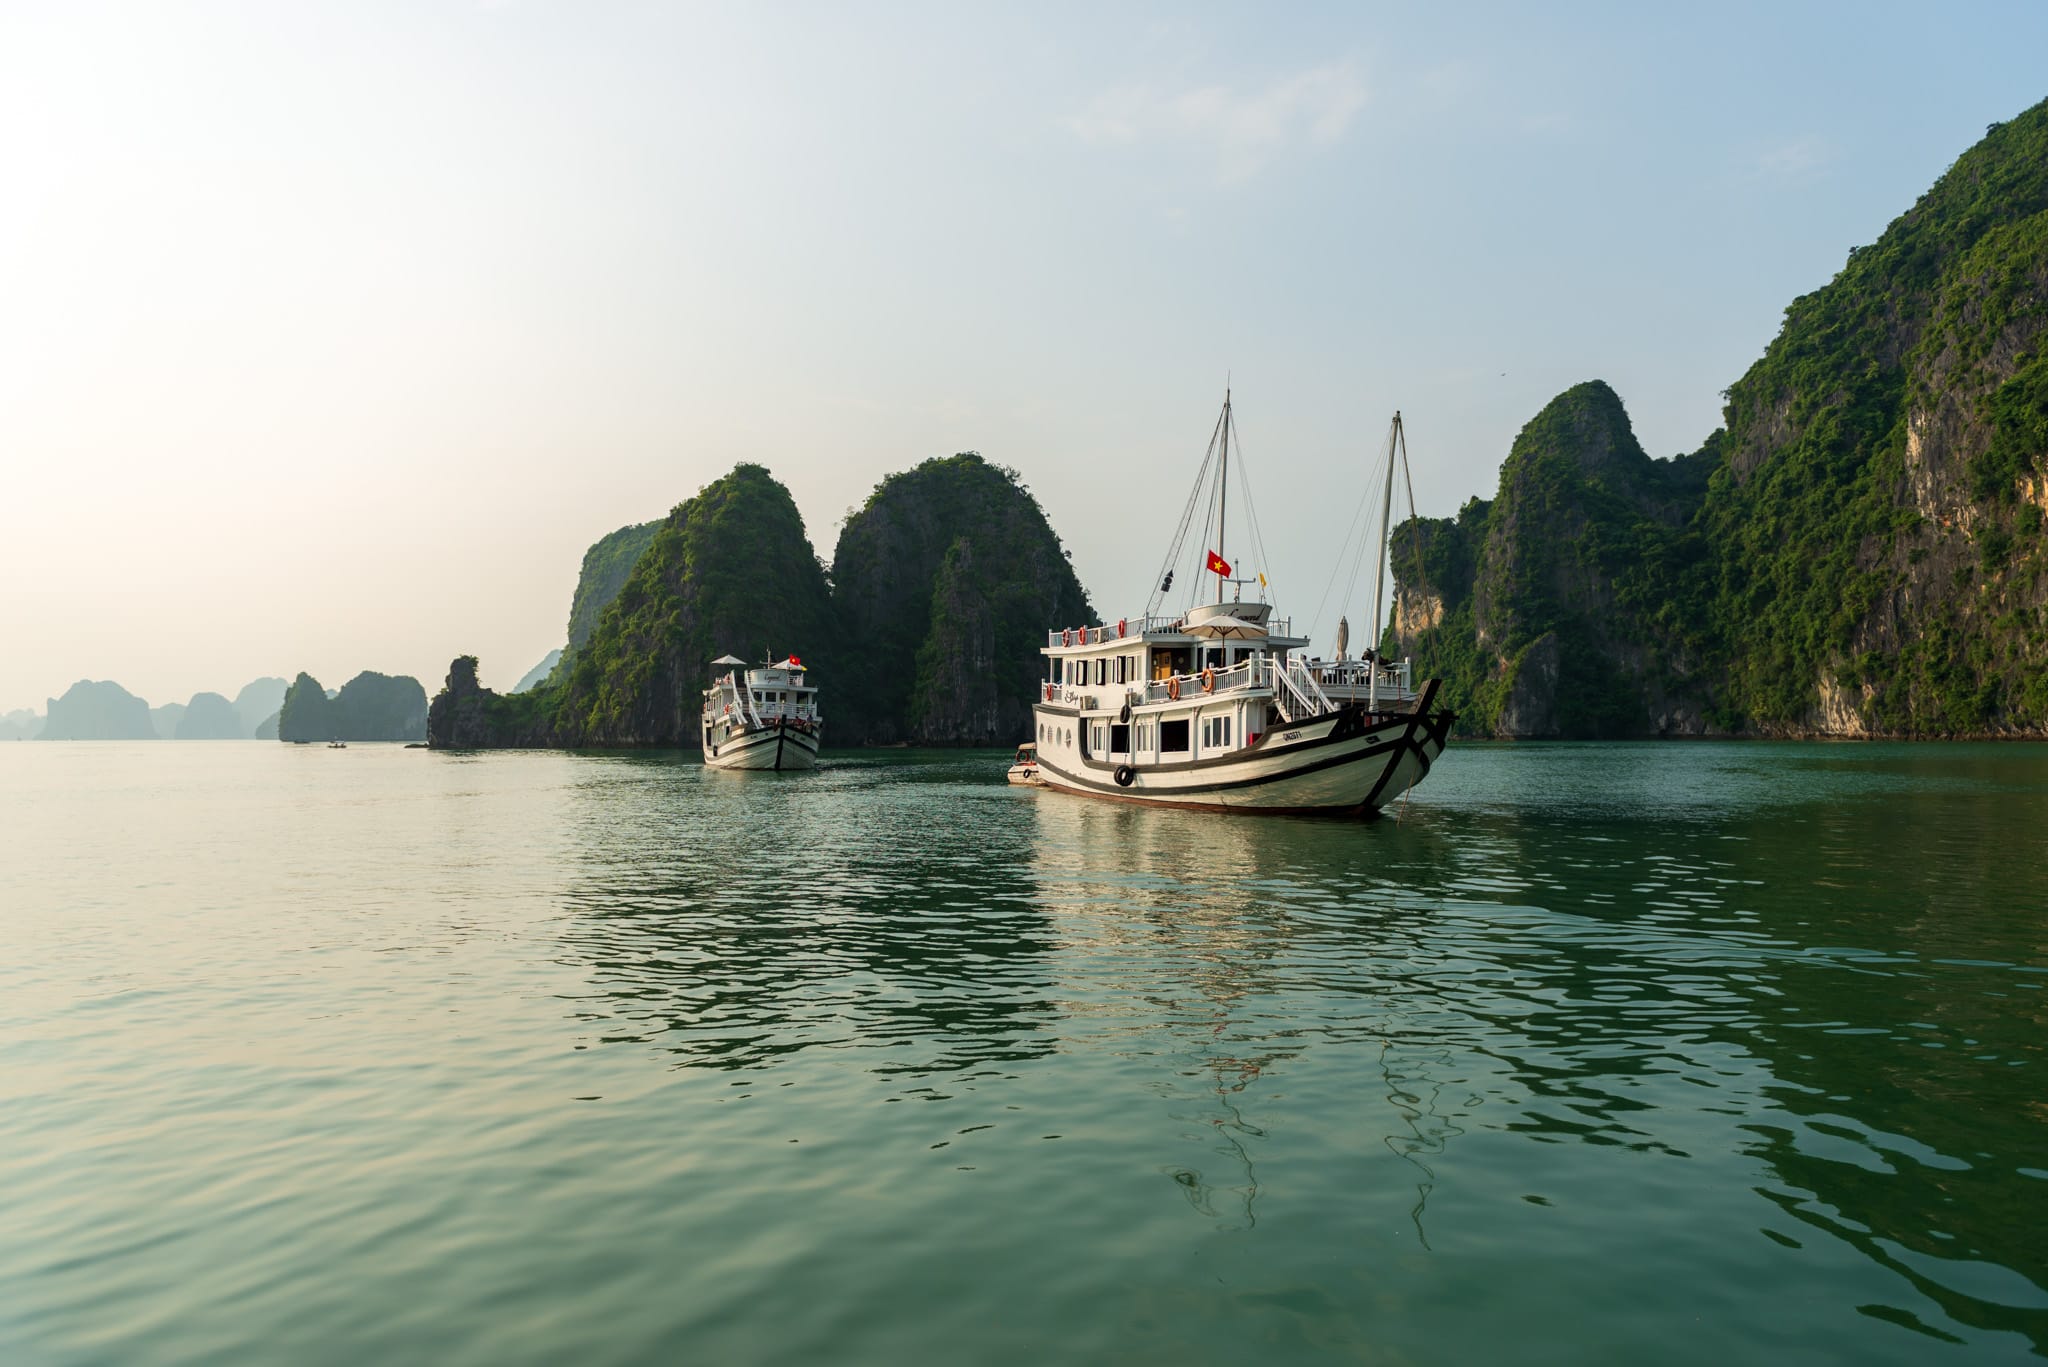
[[753, 708], [1127, 628]]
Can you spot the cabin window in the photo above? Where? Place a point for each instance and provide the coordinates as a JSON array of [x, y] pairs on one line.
[[1101, 670], [1173, 735], [1119, 740]]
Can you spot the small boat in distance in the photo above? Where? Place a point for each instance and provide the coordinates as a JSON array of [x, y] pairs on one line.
[[764, 718], [1218, 707], [1025, 769]]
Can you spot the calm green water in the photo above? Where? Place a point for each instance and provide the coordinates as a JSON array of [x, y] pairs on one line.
[[1683, 1053]]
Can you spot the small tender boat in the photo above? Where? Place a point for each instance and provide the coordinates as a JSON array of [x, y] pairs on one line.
[[1025, 770], [1218, 707], [765, 718]]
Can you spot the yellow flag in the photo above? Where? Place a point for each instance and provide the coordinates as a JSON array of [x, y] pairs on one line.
[[1262, 581]]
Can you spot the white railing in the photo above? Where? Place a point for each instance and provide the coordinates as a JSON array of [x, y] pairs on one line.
[[1357, 676], [1295, 690], [1242, 675], [1300, 688], [1126, 628]]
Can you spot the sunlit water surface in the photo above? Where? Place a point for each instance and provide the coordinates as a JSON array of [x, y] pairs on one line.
[[1684, 1053]]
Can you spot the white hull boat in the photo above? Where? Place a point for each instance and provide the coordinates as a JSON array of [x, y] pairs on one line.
[[765, 718], [1024, 770], [1218, 708]]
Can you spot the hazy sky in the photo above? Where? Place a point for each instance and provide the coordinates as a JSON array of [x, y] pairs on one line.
[[331, 335]]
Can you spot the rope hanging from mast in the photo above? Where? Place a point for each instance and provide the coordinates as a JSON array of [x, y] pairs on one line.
[[1187, 517]]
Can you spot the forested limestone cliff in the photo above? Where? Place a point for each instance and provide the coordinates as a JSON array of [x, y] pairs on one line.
[[1860, 550], [727, 572], [944, 583], [369, 707], [606, 565]]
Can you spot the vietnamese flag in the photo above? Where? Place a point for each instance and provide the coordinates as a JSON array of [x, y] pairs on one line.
[[1218, 565]]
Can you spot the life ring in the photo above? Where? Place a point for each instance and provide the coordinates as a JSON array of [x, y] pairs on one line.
[[1124, 774], [1173, 687], [1067, 636], [1208, 681], [1121, 622], [1048, 692]]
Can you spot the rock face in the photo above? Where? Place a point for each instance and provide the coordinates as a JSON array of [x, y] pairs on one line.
[[606, 566], [307, 713], [945, 584], [166, 718], [946, 581], [369, 707], [728, 573], [1859, 552], [21, 724], [101, 710], [1536, 608], [209, 716], [467, 716]]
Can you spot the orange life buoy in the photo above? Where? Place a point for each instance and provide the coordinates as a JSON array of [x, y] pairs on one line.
[[1067, 636], [1173, 688], [1208, 681], [1121, 622], [1048, 692]]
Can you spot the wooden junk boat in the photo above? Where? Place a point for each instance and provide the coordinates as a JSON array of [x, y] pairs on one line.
[[1218, 707]]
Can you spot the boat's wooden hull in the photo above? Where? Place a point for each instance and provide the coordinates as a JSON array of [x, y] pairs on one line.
[[776, 746], [1347, 762]]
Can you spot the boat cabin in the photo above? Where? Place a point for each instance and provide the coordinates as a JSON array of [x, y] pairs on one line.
[[1180, 690], [762, 695]]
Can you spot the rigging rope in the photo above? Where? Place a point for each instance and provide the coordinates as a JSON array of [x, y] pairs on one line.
[[1258, 537], [1158, 596]]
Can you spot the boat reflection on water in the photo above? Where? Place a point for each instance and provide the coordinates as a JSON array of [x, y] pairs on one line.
[[1179, 912]]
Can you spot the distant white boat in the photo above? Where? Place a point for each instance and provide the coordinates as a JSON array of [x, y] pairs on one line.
[[1219, 709], [765, 718]]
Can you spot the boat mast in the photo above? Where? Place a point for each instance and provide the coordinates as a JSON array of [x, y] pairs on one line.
[[1223, 490], [1379, 569]]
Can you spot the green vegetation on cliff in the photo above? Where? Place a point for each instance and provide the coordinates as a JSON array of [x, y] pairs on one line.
[[369, 707], [465, 715], [1536, 599], [945, 582], [606, 566], [728, 572], [1860, 550], [1896, 396]]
